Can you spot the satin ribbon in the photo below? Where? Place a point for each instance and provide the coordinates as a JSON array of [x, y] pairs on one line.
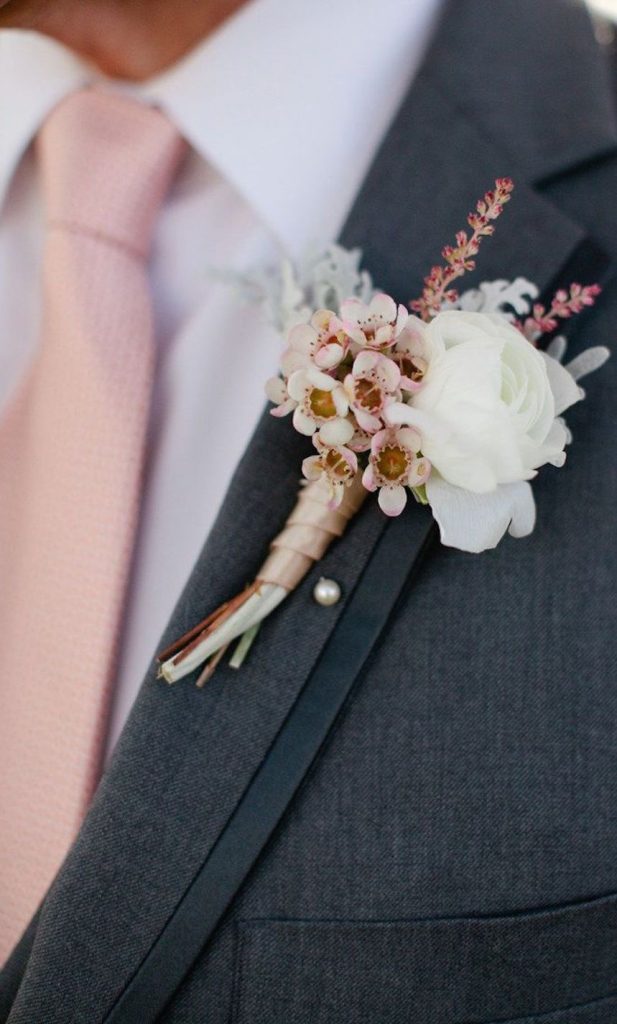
[[309, 531]]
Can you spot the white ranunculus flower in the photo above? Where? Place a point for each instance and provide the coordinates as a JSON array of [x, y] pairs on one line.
[[489, 404], [488, 413]]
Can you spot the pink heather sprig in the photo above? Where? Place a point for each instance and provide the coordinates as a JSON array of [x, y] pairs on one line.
[[564, 305], [460, 257]]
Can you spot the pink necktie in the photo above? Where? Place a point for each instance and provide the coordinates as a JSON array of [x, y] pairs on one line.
[[71, 457]]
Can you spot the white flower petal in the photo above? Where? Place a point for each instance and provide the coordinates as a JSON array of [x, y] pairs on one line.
[[321, 319], [368, 479], [563, 385], [489, 403], [341, 402], [336, 432], [384, 335], [556, 440], [355, 333], [276, 390], [378, 440], [284, 408], [337, 491], [297, 385], [402, 316], [523, 508], [292, 361], [399, 413], [353, 311], [469, 433], [477, 522], [419, 472], [360, 442], [420, 338], [329, 356], [350, 458], [365, 362], [410, 438], [303, 423], [311, 467], [366, 421], [392, 500], [320, 380], [390, 373], [565, 426], [384, 307], [303, 338]]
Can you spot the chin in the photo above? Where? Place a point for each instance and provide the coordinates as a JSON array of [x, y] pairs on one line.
[[16, 12]]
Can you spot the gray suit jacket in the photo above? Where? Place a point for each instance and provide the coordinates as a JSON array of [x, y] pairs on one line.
[[452, 858]]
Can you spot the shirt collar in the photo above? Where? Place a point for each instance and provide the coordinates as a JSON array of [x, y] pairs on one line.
[[287, 100], [35, 73]]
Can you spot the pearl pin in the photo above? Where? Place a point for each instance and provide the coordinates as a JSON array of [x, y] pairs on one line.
[[326, 592]]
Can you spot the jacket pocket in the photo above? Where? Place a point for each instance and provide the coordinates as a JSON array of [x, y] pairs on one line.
[[550, 965]]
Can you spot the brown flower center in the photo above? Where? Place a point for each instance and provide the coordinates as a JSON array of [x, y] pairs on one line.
[[370, 326], [368, 394], [334, 338], [392, 463], [322, 404], [412, 367], [335, 465]]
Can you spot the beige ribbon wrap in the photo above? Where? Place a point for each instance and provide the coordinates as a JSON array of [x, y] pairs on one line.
[[309, 531], [306, 536]]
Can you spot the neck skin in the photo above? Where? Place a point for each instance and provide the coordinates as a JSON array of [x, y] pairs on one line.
[[128, 39]]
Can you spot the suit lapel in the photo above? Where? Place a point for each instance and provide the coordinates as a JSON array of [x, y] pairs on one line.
[[187, 755]]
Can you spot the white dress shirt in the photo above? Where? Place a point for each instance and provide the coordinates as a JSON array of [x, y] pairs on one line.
[[284, 108]]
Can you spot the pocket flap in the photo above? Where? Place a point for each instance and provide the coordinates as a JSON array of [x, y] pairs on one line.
[[470, 970]]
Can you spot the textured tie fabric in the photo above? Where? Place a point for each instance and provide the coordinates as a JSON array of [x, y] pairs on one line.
[[71, 459]]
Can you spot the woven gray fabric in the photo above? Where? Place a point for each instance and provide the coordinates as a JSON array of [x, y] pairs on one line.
[[453, 857]]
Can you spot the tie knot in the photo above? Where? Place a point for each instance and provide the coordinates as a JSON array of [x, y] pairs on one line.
[[107, 161]]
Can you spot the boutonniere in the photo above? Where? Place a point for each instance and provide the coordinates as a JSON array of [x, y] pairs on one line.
[[449, 401]]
